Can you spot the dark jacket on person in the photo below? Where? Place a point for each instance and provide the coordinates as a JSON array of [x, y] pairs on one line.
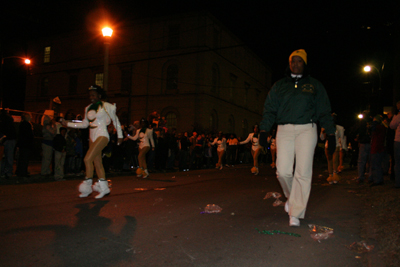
[[25, 136], [300, 101], [59, 143]]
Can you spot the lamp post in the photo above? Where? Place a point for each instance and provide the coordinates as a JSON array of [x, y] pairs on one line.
[[368, 68], [26, 62], [107, 32]]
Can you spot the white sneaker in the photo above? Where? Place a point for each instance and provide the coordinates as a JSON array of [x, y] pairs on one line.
[[102, 188], [287, 206], [85, 188], [146, 174], [293, 221]]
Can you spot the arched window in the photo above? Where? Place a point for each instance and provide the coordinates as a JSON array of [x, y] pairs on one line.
[[213, 121], [245, 128], [171, 120], [172, 77], [231, 124], [215, 79], [44, 87]]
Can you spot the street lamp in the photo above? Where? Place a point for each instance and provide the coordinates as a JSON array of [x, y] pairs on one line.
[[368, 68], [27, 61], [107, 32]]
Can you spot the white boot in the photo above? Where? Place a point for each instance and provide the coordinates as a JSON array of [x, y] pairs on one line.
[[86, 187], [102, 188]]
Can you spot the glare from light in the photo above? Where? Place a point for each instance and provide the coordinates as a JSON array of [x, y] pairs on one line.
[[107, 32], [367, 68], [360, 116], [27, 61]]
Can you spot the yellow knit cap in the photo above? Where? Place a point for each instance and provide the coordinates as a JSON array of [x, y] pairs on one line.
[[301, 53]]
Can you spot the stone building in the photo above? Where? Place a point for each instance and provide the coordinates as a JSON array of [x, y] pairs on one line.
[[189, 68]]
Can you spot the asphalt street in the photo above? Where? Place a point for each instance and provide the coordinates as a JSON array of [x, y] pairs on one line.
[[160, 222]]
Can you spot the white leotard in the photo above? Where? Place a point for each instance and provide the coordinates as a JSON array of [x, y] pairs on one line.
[[254, 141], [144, 138], [98, 121]]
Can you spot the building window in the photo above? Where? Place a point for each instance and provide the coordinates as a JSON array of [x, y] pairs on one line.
[[231, 124], [44, 87], [171, 120], [172, 77], [173, 36], [99, 79], [232, 86], [215, 79], [245, 128], [46, 58], [213, 121], [73, 84], [246, 93], [126, 80]]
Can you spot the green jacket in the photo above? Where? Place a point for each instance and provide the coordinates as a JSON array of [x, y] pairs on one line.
[[306, 103]]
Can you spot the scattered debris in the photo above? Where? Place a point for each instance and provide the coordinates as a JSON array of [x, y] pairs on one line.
[[361, 247], [319, 233], [212, 208], [141, 189], [159, 188], [277, 196]]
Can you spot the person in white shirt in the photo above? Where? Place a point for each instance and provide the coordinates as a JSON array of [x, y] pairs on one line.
[[145, 136], [255, 147], [221, 142]]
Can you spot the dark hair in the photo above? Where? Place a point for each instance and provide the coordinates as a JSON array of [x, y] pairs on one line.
[[99, 90], [144, 123]]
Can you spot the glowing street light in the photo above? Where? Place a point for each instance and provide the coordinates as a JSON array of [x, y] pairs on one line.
[[107, 32]]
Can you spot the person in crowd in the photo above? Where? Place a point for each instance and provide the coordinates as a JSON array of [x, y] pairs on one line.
[[296, 103], [78, 153], [333, 159], [231, 150], [25, 145], [395, 124], [343, 151], [363, 138], [272, 148], [98, 115], [220, 141], [49, 131], [199, 151], [255, 147], [69, 167], [378, 133], [390, 134], [7, 128], [184, 145], [172, 144], [59, 146], [161, 151], [145, 137], [192, 161]]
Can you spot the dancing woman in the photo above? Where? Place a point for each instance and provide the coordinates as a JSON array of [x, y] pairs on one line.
[[145, 136], [98, 116], [221, 142], [255, 147]]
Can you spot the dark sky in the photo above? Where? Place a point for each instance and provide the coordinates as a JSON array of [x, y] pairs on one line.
[[339, 37]]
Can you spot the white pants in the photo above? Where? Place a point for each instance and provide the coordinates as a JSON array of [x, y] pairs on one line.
[[295, 146]]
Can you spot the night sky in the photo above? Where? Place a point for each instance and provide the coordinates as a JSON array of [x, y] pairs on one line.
[[339, 37]]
